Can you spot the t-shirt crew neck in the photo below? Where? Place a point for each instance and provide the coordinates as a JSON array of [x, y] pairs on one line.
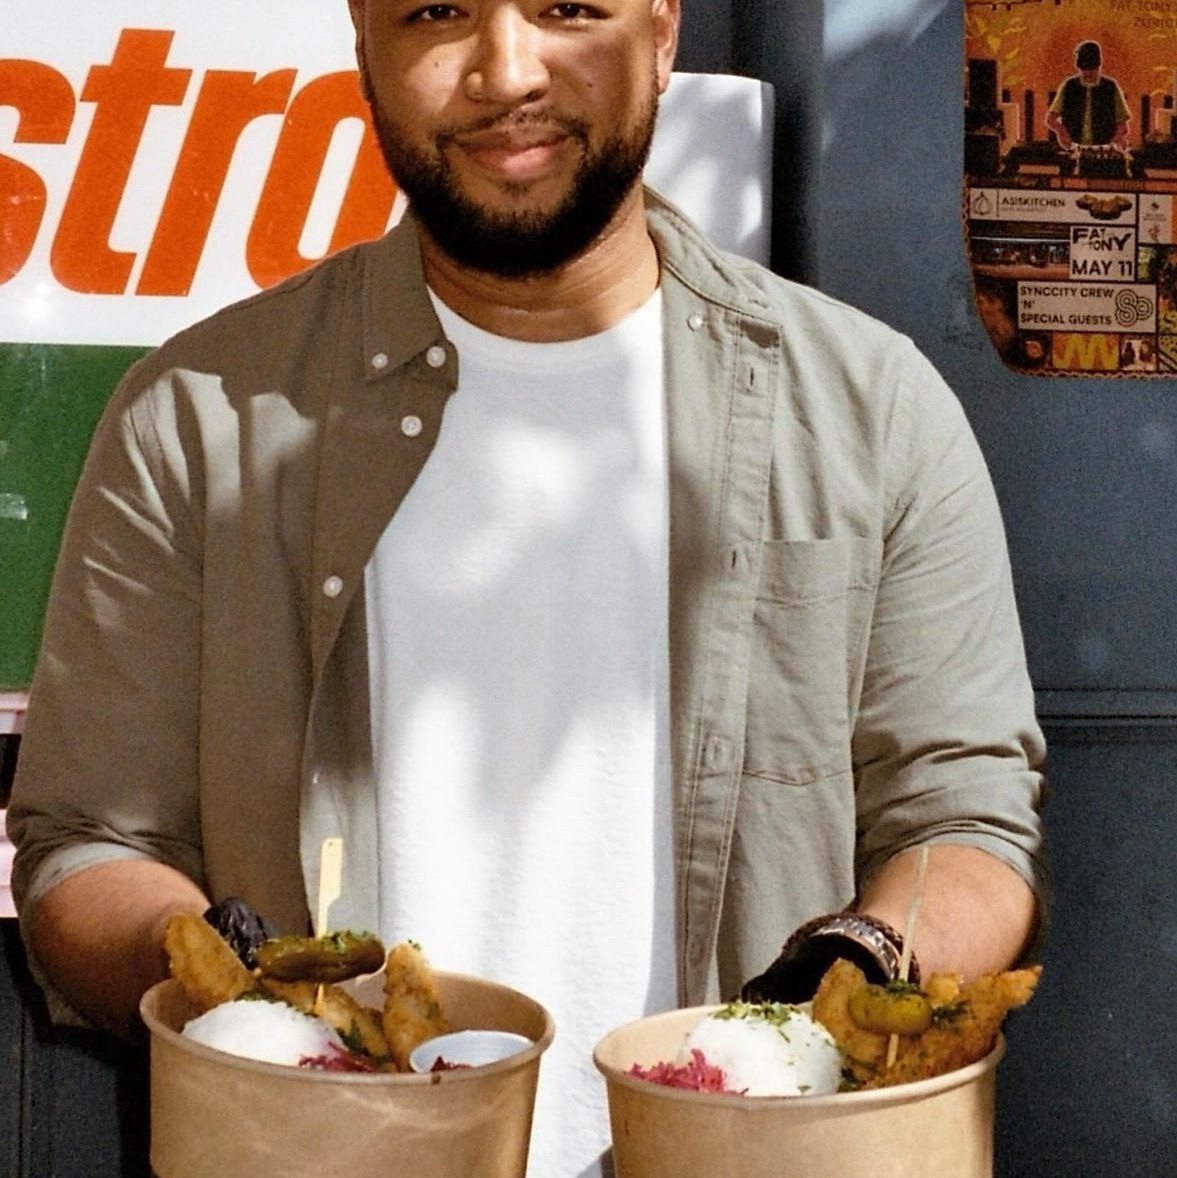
[[641, 326]]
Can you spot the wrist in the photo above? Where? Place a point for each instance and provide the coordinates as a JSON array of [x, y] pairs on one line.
[[880, 942], [866, 941]]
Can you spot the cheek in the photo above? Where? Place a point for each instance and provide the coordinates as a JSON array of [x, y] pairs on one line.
[[616, 77], [422, 87]]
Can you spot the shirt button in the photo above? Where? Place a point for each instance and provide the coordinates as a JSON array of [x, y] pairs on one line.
[[411, 426], [333, 586], [694, 322], [715, 754], [436, 356], [380, 361]]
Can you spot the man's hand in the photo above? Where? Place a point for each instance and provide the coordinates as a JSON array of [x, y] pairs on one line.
[[976, 916], [875, 948], [98, 935]]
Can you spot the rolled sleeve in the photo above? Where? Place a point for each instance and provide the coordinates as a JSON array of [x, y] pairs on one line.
[[108, 764], [946, 744]]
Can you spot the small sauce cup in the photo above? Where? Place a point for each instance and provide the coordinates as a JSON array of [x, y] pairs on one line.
[[466, 1049]]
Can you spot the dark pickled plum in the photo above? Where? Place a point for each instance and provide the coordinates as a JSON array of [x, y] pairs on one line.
[[242, 926]]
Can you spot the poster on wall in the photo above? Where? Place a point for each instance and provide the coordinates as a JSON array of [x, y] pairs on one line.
[[1071, 181]]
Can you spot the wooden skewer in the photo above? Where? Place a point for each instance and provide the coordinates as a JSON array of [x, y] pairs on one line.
[[330, 886], [330, 880], [913, 907]]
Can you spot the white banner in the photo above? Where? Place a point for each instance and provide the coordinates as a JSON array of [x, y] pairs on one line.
[[1087, 307], [1044, 206], [161, 159]]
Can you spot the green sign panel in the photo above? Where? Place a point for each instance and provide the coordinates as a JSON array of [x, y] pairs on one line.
[[50, 400]]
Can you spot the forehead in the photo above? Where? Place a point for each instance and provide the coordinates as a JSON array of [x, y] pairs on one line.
[[598, 26], [391, 8], [391, 11]]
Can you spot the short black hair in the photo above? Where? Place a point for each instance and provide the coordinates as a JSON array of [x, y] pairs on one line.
[[1088, 55]]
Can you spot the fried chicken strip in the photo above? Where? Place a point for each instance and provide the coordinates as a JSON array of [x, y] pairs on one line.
[[208, 970], [965, 1021], [412, 1009]]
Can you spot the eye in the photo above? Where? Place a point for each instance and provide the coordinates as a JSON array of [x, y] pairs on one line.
[[431, 13], [575, 12]]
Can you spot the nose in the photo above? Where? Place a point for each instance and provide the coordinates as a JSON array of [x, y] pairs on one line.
[[507, 65]]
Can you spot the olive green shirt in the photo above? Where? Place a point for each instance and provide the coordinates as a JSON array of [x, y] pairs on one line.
[[847, 673]]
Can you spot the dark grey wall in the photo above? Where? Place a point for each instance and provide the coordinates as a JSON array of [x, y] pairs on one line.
[[72, 1105], [706, 42], [868, 206]]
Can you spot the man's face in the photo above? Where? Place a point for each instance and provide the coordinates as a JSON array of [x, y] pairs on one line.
[[515, 127]]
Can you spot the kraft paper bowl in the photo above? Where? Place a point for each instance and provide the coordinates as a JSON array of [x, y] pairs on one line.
[[938, 1128], [215, 1115]]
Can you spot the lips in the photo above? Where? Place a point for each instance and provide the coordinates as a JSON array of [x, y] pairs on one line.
[[516, 156]]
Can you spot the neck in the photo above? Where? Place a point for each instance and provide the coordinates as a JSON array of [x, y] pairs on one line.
[[591, 293]]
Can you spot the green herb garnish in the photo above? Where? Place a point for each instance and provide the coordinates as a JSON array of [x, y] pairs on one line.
[[943, 1016], [902, 986], [776, 1013]]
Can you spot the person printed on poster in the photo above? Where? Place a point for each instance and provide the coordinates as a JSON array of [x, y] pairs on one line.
[[1070, 168], [1090, 108]]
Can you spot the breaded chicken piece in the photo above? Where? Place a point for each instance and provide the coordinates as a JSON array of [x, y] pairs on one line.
[[358, 1026], [412, 1009], [965, 1021], [863, 1051], [208, 970], [963, 1030]]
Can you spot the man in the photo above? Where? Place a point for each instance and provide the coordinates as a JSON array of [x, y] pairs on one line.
[[620, 605], [1090, 108]]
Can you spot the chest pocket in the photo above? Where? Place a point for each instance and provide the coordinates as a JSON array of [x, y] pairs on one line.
[[812, 619]]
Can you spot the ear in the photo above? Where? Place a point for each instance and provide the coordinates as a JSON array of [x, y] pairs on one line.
[[666, 16]]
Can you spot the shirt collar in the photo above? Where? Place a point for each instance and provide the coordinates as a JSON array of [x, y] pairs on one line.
[[399, 323]]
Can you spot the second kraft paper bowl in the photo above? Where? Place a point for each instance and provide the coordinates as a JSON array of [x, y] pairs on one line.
[[937, 1128]]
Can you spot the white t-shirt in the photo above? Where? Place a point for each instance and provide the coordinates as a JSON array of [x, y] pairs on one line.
[[517, 612]]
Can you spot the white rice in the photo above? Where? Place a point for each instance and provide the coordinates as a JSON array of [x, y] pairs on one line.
[[784, 1054], [268, 1031]]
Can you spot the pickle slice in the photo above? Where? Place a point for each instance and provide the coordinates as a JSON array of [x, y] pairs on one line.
[[332, 957], [895, 1009]]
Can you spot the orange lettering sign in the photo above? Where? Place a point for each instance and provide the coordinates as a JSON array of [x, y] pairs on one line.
[[44, 103], [229, 101], [272, 249], [124, 94]]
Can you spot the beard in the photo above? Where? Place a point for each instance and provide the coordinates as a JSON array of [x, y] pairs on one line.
[[529, 242]]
